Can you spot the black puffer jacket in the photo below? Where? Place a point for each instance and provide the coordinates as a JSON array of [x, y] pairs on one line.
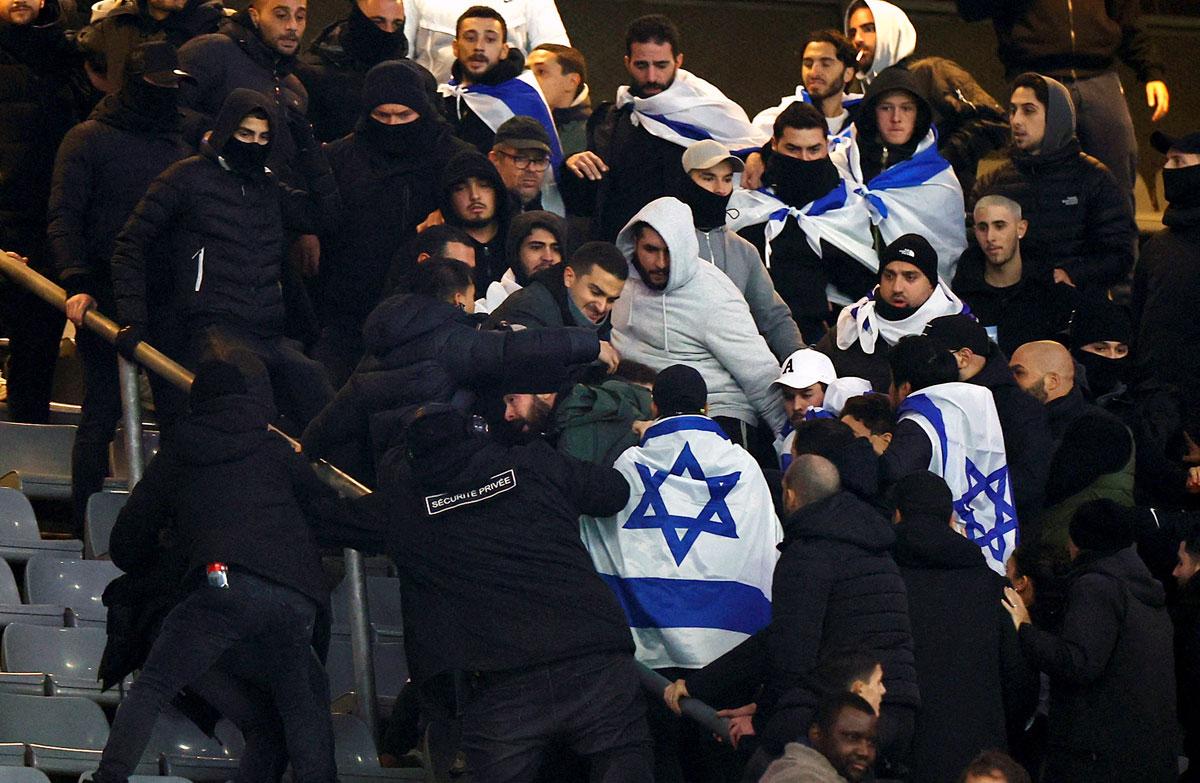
[[384, 197], [238, 57], [217, 235], [224, 443], [1112, 675], [1079, 218], [129, 23], [491, 257], [420, 350], [36, 110], [1166, 287], [835, 587], [103, 169], [544, 302], [333, 69], [974, 681]]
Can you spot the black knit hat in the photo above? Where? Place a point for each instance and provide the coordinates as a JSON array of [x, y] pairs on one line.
[[958, 331], [393, 82], [1097, 319], [1102, 526], [680, 389], [216, 378], [913, 249]]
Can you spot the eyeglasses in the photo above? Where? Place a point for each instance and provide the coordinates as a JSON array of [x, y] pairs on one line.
[[523, 162]]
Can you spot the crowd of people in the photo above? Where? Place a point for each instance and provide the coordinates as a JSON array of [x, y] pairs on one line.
[[843, 417]]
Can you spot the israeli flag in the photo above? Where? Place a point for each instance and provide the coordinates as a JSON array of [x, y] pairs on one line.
[[839, 218], [765, 119], [968, 452], [692, 110], [920, 195], [691, 556], [519, 97]]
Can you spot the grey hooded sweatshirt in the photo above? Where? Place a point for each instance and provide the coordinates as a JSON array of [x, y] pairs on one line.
[[700, 319]]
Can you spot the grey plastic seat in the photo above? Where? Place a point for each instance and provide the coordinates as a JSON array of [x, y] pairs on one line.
[[383, 605], [99, 518], [12, 754], [118, 460], [13, 611], [22, 775], [70, 657], [180, 748], [76, 584], [87, 776], [391, 672], [20, 538], [356, 756], [64, 735], [42, 455]]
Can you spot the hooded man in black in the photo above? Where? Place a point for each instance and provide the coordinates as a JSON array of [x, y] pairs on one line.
[[210, 230], [472, 197], [876, 154], [387, 173], [974, 682], [1100, 335], [1112, 674], [1080, 220], [231, 496], [36, 110], [103, 168], [334, 67]]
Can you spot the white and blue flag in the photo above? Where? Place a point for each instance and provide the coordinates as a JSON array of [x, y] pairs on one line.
[[692, 110], [920, 195], [968, 452], [765, 119], [518, 97], [692, 554]]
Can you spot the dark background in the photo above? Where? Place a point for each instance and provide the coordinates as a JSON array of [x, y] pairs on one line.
[[751, 49]]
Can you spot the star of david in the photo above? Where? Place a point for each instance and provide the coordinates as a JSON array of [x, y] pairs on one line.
[[681, 532], [992, 486]]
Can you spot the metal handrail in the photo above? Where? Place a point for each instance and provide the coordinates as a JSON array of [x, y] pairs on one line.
[[693, 708]]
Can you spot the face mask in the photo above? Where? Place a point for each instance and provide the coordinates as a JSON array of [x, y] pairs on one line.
[[1182, 186], [245, 157], [147, 100], [370, 44], [394, 139], [708, 209], [797, 182], [1103, 374]]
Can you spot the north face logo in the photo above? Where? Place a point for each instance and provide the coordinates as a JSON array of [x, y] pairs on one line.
[[904, 251], [1070, 201]]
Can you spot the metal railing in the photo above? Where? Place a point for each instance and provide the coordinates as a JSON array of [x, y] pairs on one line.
[[360, 634]]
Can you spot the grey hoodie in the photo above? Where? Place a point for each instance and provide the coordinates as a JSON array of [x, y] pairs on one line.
[[738, 259], [801, 764], [1060, 117], [700, 319]]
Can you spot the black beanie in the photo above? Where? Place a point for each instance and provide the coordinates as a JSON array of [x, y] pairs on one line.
[[913, 249], [1096, 319], [1102, 526], [393, 82], [680, 389], [216, 378], [923, 495]]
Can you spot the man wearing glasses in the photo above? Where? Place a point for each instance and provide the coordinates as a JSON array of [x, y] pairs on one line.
[[521, 154]]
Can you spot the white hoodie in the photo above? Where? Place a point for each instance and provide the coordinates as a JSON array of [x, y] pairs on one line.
[[895, 36], [700, 319]]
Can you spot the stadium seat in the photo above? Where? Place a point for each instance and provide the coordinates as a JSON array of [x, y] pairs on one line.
[[101, 515], [64, 735], [42, 455], [69, 656], [87, 776], [76, 584], [383, 605], [182, 749], [357, 758], [118, 460], [20, 538], [22, 775], [391, 672], [12, 754], [13, 611]]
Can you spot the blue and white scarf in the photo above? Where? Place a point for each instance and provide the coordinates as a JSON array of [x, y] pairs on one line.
[[765, 119], [692, 110]]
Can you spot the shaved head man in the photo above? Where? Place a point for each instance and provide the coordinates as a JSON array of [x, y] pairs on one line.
[[1044, 369]]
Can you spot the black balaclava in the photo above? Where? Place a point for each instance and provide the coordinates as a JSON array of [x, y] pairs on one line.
[[1182, 186], [157, 106], [1099, 319], [708, 209], [364, 41], [242, 157], [798, 182], [393, 82]]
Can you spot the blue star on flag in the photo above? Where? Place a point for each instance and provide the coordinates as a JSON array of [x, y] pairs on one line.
[[714, 517]]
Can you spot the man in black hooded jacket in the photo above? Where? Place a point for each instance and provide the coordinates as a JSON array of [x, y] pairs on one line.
[[103, 168], [210, 231], [472, 197], [334, 67], [387, 173], [1111, 667], [1079, 217], [252, 576]]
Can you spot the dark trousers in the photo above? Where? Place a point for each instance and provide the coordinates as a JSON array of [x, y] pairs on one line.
[[592, 704], [97, 422], [683, 749], [34, 331], [256, 631], [339, 349], [1104, 126]]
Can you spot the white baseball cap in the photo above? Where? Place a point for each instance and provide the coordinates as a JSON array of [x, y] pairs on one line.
[[806, 367], [843, 389]]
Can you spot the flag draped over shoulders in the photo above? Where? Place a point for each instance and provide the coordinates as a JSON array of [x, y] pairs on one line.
[[692, 110]]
